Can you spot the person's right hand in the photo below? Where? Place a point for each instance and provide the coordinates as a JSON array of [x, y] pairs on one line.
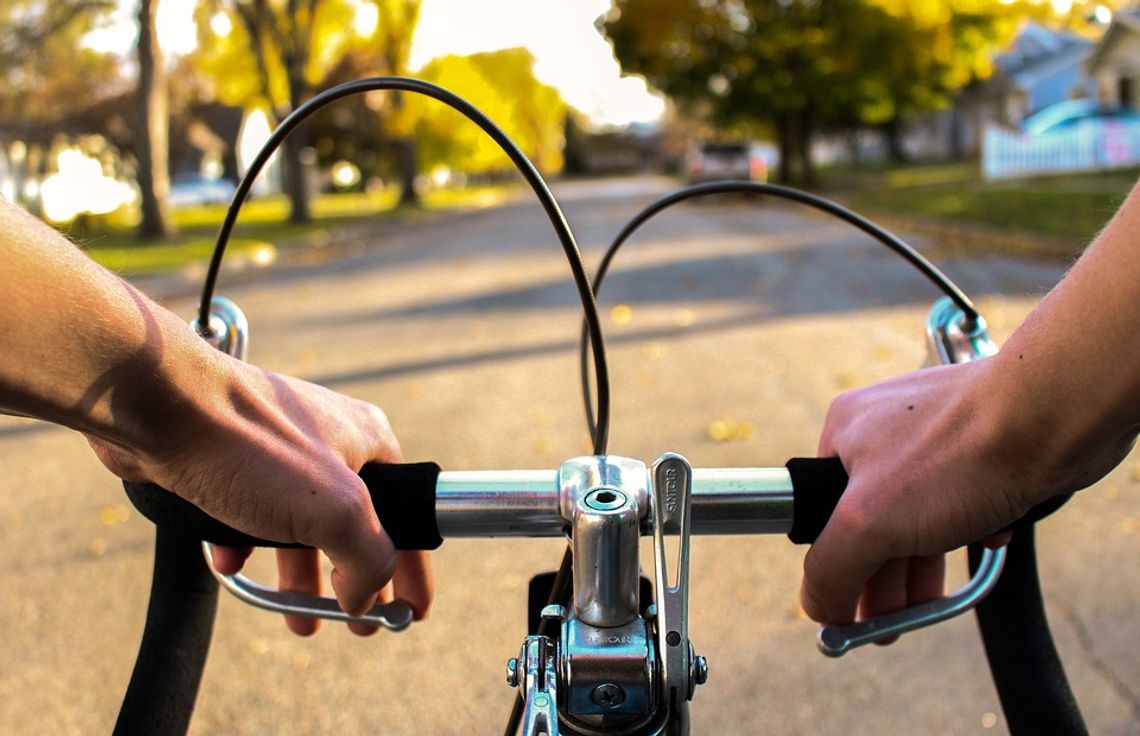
[[277, 458], [937, 459]]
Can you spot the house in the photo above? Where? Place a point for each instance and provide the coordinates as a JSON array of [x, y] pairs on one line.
[[1114, 63], [1040, 68]]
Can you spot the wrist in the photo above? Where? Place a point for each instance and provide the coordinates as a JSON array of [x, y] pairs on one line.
[[170, 389], [1060, 428]]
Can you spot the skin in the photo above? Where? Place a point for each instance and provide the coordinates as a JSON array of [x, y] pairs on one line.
[[947, 456], [270, 455]]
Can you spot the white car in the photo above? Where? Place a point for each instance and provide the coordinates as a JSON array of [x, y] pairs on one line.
[[195, 189], [709, 161]]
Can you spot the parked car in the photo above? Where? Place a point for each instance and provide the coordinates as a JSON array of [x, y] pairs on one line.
[[195, 189], [1074, 113], [709, 160]]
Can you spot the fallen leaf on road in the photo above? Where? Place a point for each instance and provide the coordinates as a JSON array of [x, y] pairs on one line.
[[622, 314], [684, 317], [722, 430], [543, 445], [882, 353], [111, 515], [652, 350]]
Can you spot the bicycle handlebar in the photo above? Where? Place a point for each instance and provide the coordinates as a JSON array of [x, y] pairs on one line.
[[419, 506]]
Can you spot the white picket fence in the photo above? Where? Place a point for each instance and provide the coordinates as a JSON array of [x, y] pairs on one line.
[[1094, 144]]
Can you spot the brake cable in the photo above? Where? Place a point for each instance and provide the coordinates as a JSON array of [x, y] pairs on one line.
[[887, 238]]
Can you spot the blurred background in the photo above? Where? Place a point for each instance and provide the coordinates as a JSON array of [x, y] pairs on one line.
[[391, 252], [126, 123]]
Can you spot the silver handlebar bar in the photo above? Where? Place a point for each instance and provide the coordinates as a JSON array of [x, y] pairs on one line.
[[544, 503]]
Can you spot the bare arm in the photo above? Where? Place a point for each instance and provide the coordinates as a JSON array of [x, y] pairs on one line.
[[271, 455], [944, 457]]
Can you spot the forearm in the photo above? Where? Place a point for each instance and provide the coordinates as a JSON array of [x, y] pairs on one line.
[[1069, 377], [83, 348]]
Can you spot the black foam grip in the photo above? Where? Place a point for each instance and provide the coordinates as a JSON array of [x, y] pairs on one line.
[[1026, 668], [179, 623], [817, 485], [403, 495]]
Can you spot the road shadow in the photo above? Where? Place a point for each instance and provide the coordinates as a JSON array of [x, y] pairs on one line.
[[794, 280], [342, 379]]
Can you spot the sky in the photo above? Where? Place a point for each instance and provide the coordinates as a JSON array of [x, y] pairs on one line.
[[569, 52]]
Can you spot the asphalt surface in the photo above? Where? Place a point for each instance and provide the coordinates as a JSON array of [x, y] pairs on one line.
[[731, 326]]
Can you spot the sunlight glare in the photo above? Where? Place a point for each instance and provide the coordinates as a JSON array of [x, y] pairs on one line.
[[80, 186], [365, 18]]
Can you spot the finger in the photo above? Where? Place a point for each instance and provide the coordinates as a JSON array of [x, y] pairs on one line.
[[997, 540], [885, 591], [230, 560], [836, 568], [362, 554], [385, 595], [299, 571], [414, 581], [926, 579]]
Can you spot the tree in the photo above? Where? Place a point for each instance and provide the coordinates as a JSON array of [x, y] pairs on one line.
[[501, 84], [798, 66], [383, 122], [275, 52], [48, 77], [393, 40], [153, 123]]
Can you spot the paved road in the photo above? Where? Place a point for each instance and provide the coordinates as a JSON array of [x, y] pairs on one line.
[[464, 329]]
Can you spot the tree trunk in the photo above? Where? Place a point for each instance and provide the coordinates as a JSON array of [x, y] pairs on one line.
[[892, 129], [296, 179], [406, 156], [803, 143], [957, 152], [784, 133], [152, 113], [406, 159]]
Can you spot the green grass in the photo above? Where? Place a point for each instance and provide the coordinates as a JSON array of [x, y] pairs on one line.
[[1071, 207], [262, 227]]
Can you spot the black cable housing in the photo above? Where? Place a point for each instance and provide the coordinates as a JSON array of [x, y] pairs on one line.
[[892, 241], [600, 429]]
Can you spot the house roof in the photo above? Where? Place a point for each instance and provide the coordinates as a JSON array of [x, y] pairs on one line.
[[1039, 52], [1124, 23]]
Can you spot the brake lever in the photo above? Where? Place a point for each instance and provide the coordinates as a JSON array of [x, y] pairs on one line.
[[835, 641], [951, 338], [394, 616]]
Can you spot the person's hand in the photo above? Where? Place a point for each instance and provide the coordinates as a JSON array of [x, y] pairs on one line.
[[935, 462], [277, 458]]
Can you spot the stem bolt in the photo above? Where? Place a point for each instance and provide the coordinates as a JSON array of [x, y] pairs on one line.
[[513, 672], [608, 695]]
